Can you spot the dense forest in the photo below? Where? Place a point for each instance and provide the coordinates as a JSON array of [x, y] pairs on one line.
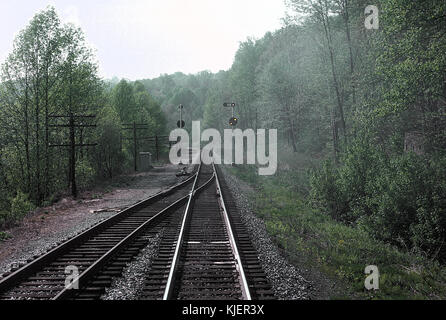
[[50, 95], [361, 115], [365, 109]]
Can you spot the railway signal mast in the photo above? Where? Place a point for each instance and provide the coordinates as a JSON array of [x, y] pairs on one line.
[[181, 124], [232, 122]]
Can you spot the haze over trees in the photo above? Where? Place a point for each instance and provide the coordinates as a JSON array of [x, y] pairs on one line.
[[346, 101], [351, 106]]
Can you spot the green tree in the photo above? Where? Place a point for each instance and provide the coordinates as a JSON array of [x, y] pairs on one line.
[[109, 156], [50, 72], [124, 101]]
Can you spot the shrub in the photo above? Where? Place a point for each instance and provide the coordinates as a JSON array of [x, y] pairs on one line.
[[399, 200], [326, 193], [429, 233], [84, 173], [20, 207], [4, 236], [408, 204], [392, 197], [4, 216]]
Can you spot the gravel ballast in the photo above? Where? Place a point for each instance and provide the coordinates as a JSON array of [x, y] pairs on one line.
[[286, 280], [47, 227], [131, 284]]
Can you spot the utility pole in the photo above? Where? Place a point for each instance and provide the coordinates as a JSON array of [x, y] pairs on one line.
[[135, 127], [156, 148], [135, 154], [73, 157], [72, 125]]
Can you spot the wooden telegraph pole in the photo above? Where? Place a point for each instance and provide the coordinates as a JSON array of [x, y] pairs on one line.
[[73, 124]]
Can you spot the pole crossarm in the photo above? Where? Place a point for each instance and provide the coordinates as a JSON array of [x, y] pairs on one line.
[[76, 145], [74, 116], [72, 125], [75, 126]]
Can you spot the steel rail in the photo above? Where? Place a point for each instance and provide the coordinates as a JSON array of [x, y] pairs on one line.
[[101, 262], [174, 266], [243, 282], [246, 294], [9, 281]]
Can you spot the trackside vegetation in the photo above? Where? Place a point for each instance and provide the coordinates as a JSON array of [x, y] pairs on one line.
[[311, 238]]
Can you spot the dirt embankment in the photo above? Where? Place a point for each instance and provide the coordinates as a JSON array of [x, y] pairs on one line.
[[48, 226]]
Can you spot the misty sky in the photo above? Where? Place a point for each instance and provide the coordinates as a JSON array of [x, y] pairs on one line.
[[138, 39]]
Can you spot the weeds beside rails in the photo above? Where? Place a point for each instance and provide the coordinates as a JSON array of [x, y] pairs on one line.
[[341, 252], [4, 236]]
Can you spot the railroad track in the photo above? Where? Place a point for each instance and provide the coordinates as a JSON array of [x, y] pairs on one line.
[[204, 251], [207, 255], [99, 254]]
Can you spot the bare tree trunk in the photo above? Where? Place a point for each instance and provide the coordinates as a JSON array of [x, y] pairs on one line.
[[334, 127], [335, 79], [37, 133], [2, 173], [81, 141], [17, 146], [72, 142], [346, 17], [291, 130], [47, 160], [335, 135], [27, 154]]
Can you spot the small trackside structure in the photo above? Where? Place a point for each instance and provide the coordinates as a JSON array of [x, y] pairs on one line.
[[145, 161], [414, 141]]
